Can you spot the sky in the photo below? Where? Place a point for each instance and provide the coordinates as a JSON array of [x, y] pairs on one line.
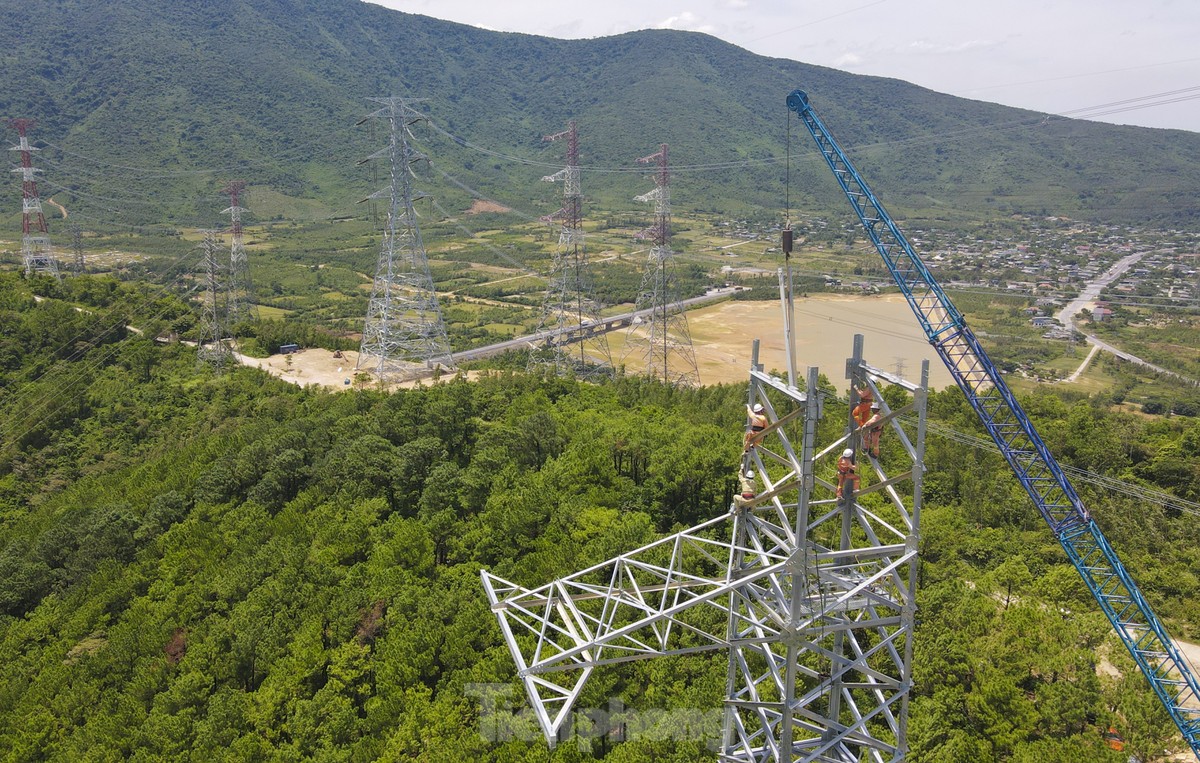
[[1131, 62]]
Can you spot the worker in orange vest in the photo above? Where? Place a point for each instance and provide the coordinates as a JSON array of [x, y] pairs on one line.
[[872, 428], [846, 472], [862, 411]]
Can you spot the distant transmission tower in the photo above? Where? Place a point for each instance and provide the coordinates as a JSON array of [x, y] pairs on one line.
[[212, 341], [240, 289], [77, 264], [35, 236], [570, 306], [404, 334], [659, 331]]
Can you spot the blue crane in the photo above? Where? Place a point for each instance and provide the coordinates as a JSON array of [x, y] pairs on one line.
[[1041, 476]]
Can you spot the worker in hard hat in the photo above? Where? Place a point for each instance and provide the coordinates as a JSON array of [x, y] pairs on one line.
[[872, 428], [862, 411], [757, 423], [747, 489], [846, 472]]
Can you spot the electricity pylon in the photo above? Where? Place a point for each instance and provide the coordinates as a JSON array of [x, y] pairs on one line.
[[239, 288], [812, 594], [404, 335], [77, 262], [213, 348], [658, 335], [570, 305], [35, 236]]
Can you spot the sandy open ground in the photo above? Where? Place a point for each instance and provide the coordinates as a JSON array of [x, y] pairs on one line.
[[722, 336], [309, 366], [825, 329], [320, 367]]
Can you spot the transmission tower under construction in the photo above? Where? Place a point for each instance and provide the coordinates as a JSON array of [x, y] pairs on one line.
[[213, 348], [659, 330], [569, 330], [35, 236], [404, 336], [239, 288], [808, 584]]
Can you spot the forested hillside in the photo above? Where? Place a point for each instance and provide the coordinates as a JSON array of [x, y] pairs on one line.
[[200, 567], [146, 107]]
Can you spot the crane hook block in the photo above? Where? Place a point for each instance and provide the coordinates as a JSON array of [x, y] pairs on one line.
[[787, 240]]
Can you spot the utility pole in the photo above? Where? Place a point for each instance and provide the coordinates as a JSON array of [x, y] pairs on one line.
[[35, 236], [659, 329], [212, 347], [240, 289], [570, 305], [404, 335]]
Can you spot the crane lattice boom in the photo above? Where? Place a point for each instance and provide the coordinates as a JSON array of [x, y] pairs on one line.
[[1041, 476]]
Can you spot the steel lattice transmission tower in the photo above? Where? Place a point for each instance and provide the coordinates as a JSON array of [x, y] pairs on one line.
[[659, 331], [570, 305], [213, 347], [77, 263], [404, 335], [811, 593], [240, 289], [35, 236]]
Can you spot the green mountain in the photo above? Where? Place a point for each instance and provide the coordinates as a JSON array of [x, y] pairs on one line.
[[146, 107]]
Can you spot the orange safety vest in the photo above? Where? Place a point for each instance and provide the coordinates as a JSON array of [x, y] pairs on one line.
[[862, 412]]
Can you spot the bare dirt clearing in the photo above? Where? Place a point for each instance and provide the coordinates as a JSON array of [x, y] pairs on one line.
[[722, 336], [825, 329], [486, 206], [319, 367], [310, 366]]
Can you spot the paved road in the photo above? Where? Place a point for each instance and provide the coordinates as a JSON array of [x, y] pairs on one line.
[[1135, 359], [1091, 292], [1086, 298]]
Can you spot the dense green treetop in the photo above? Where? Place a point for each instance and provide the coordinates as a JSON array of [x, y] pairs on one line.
[[229, 567]]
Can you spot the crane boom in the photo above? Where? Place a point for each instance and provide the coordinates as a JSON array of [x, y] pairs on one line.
[[1056, 500]]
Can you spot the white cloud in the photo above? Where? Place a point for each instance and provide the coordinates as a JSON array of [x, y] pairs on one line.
[[685, 22], [847, 61]]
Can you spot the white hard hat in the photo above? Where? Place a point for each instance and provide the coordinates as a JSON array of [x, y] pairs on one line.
[[848, 453], [758, 407], [749, 474]]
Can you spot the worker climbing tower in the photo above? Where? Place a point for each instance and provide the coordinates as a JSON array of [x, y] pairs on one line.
[[810, 589], [240, 290], [35, 236], [404, 335], [570, 310], [213, 348], [658, 335]]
